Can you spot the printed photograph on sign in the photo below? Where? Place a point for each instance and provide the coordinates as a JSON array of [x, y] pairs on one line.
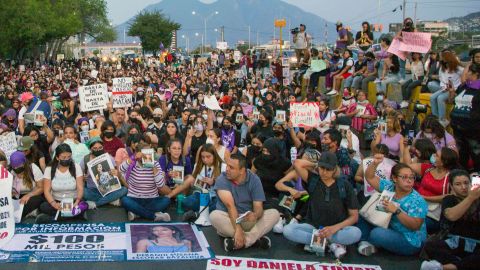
[[200, 185], [286, 72], [285, 62], [100, 170], [177, 174], [280, 116], [288, 202], [147, 157]]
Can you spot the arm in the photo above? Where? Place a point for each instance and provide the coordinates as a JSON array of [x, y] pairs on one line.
[[80, 186], [412, 223], [36, 191], [359, 174], [42, 164], [407, 159], [370, 176], [280, 185], [296, 141], [302, 167], [258, 209], [188, 143], [47, 192], [455, 213], [435, 199]]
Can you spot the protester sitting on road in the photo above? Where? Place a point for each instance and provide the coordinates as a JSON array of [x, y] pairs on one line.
[[406, 231], [240, 192], [458, 246], [144, 197]]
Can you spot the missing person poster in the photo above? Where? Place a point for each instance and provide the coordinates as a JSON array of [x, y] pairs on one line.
[[93, 97], [105, 242], [100, 169], [122, 92]]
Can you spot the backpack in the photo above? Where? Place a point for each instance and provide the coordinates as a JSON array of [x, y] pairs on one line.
[[40, 105], [349, 38], [313, 181]]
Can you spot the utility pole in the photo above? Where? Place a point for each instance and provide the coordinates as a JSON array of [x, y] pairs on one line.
[[249, 37], [257, 38], [222, 33], [404, 6], [415, 16]]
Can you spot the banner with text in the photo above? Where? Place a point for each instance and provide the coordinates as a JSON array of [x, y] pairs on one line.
[[7, 221], [304, 114], [105, 242], [234, 263], [93, 97], [8, 144], [122, 92], [411, 42]]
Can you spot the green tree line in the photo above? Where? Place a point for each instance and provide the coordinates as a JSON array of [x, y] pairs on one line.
[[29, 28]]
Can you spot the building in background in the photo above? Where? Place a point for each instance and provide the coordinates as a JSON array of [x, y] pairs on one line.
[[437, 28]]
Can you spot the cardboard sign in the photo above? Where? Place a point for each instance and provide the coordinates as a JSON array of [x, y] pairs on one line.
[[7, 221], [93, 97], [222, 45], [211, 103], [304, 114], [395, 49], [8, 144], [416, 42], [122, 92]]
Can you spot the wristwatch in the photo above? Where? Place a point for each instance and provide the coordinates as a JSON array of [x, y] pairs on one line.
[[398, 211]]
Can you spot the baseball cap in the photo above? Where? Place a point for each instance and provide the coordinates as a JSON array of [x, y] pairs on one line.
[[328, 160], [17, 159], [25, 143], [26, 96]]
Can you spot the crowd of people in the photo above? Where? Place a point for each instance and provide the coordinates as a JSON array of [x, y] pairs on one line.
[[246, 158]]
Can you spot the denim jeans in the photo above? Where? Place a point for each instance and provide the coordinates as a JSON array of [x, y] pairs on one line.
[[365, 82], [192, 202], [243, 132], [382, 86], [437, 102], [402, 68], [353, 82], [92, 194], [407, 88], [433, 86], [145, 207], [388, 239], [302, 233]]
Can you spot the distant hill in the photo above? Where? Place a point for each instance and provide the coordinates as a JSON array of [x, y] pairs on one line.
[[469, 23], [236, 16]]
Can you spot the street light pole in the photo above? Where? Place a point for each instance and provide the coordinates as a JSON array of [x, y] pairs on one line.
[[205, 22]]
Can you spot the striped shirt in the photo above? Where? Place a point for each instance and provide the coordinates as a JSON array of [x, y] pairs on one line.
[[142, 183]]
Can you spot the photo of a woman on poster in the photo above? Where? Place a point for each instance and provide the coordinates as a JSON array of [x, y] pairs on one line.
[[164, 239]]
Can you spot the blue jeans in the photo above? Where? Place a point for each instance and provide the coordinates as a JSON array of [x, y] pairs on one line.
[[92, 194], [433, 86], [145, 207], [437, 102], [243, 132], [192, 202], [302, 233], [402, 68], [382, 86], [388, 239]]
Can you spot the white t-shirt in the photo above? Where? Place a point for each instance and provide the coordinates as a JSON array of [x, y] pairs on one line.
[[355, 146], [329, 118], [18, 184], [21, 113], [302, 40], [64, 185]]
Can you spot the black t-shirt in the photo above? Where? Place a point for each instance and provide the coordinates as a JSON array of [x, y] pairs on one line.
[[267, 132], [271, 172], [468, 225], [363, 40], [196, 143], [466, 112], [322, 212]]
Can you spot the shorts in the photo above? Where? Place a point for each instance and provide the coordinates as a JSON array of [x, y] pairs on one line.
[[346, 75]]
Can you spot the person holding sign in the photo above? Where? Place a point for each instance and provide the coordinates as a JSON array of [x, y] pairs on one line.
[[27, 182], [361, 112], [145, 186], [91, 194]]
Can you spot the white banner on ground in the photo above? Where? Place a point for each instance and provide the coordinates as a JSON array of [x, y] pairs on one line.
[[93, 97], [237, 263], [8, 144], [7, 221], [122, 92]]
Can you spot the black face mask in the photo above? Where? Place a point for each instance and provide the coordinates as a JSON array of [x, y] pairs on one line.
[[19, 170], [260, 123], [65, 163], [153, 104], [256, 149], [310, 146], [108, 134], [277, 133], [157, 119], [98, 152], [267, 158], [227, 127]]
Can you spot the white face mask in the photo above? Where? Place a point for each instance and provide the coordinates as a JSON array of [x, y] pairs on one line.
[[219, 120], [428, 135], [84, 128], [209, 141], [205, 116]]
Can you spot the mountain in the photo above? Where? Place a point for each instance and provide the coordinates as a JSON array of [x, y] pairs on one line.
[[235, 16], [469, 23]]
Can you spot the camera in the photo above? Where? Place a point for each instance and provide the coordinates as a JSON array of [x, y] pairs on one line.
[[295, 30], [419, 108]]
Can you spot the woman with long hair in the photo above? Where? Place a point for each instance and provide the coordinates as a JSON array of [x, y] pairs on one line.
[[63, 179], [392, 137], [361, 111], [327, 116], [33, 154], [111, 143], [196, 137], [164, 239], [434, 131], [172, 132], [214, 137], [450, 76]]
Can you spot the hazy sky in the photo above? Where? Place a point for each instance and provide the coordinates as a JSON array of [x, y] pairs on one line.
[[350, 11]]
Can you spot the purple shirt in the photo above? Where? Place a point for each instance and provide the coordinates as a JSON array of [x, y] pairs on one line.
[[342, 34], [439, 143], [393, 143]]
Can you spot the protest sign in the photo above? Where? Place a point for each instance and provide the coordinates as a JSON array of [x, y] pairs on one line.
[[21, 68], [100, 242], [416, 42], [234, 263], [100, 170], [94, 73], [93, 97], [8, 144], [285, 62], [236, 56], [247, 109], [286, 81], [395, 49], [211, 103], [7, 221], [304, 114], [286, 72], [383, 171], [122, 92], [222, 45]]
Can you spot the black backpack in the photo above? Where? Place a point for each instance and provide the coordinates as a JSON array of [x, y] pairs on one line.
[[349, 38], [313, 181]]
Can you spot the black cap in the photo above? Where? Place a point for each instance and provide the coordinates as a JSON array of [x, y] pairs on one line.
[[328, 160]]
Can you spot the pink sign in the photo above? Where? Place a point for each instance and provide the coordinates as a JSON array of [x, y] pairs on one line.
[[304, 114], [416, 42], [395, 49]]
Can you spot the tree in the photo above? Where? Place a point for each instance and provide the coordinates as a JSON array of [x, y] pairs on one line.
[[153, 29]]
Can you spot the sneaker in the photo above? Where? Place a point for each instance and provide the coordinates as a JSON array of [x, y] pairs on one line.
[[91, 205], [190, 216], [338, 250], [43, 219], [366, 249], [332, 93], [444, 122], [403, 104], [377, 80], [228, 244], [264, 242], [278, 228], [116, 203], [131, 216], [293, 221], [160, 216], [431, 265]]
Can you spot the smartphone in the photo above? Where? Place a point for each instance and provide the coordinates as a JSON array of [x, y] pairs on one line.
[[475, 181], [411, 136]]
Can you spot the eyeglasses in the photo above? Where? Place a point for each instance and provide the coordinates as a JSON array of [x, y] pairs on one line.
[[407, 177]]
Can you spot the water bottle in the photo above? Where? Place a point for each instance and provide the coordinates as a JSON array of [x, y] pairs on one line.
[[293, 153], [180, 198]]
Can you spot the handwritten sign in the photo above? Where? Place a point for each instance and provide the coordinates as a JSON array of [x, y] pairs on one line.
[[93, 97], [395, 49], [122, 92], [304, 114], [383, 170], [8, 144], [7, 221], [411, 42]]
